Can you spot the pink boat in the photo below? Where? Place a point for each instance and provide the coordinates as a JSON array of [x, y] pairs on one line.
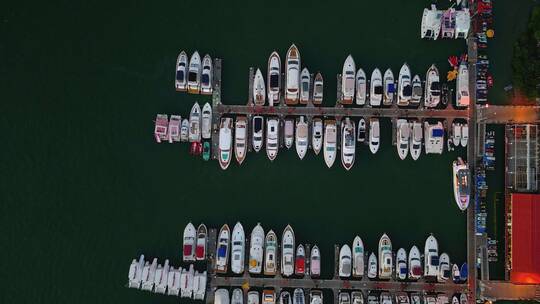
[[174, 129], [160, 129], [448, 24], [315, 262]]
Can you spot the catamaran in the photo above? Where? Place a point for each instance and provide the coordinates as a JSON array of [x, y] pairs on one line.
[[148, 274], [184, 130], [462, 85], [195, 123], [463, 23], [361, 87], [301, 137], [318, 88], [461, 183], [348, 143], [287, 252], [206, 75], [238, 249], [298, 296], [330, 146], [403, 135], [180, 81], [194, 74], [289, 132], [274, 78], [222, 251], [240, 139], [300, 261], [415, 264], [345, 264], [444, 268], [431, 257], [372, 266], [401, 264], [270, 254], [361, 130], [272, 134], [358, 257], [259, 89], [186, 282], [376, 88], [225, 142], [374, 136], [161, 278], [258, 132], [385, 257], [348, 80], [292, 81], [173, 131], [315, 262], [404, 86], [402, 298], [416, 96], [305, 81], [200, 249], [317, 135], [389, 87], [206, 121], [416, 140], [432, 94], [189, 243], [431, 23], [256, 250], [448, 23], [160, 128]]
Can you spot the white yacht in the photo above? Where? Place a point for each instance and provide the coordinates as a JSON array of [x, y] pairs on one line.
[[403, 136], [301, 137], [416, 140], [376, 88], [402, 298], [357, 297], [432, 94], [385, 257], [199, 285], [173, 281], [431, 23], [464, 134], [348, 80], [305, 82], [225, 142], [289, 132], [186, 282], [416, 96], [361, 87], [257, 132], [344, 297], [389, 87], [238, 249], [270, 253], [345, 264], [372, 266], [237, 296], [292, 76], [189, 243], [361, 130], [456, 133], [463, 23], [272, 137], [195, 123], [253, 297], [456, 274], [415, 264], [194, 73], [316, 296], [330, 145], [287, 252], [148, 275], [240, 139], [180, 81], [374, 135], [433, 138], [401, 264], [274, 78], [259, 89], [385, 298], [315, 262], [348, 143], [444, 268], [318, 89], [200, 249], [461, 184], [184, 130], [317, 135], [285, 297], [431, 257], [404, 86], [256, 250], [299, 296], [161, 277], [358, 257], [206, 123], [173, 131], [221, 296], [222, 250], [462, 85], [206, 75]]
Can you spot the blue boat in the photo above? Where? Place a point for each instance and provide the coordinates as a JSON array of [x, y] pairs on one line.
[[464, 272]]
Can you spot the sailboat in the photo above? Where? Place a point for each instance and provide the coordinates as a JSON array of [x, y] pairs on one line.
[[287, 252], [348, 143], [270, 254], [317, 135], [238, 249], [225, 142], [318, 89], [256, 250], [180, 81], [330, 146], [358, 257], [305, 83], [361, 87], [345, 265], [259, 89], [348, 80], [274, 78], [292, 70], [385, 257], [194, 74], [189, 243], [240, 139], [200, 249], [301, 137], [222, 251], [460, 178]]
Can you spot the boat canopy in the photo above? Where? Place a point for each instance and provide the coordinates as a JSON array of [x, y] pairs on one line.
[[274, 80], [391, 88], [434, 260], [378, 90], [222, 251], [180, 75], [407, 90], [437, 132], [192, 76]]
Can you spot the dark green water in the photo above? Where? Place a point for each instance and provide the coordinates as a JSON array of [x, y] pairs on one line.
[[85, 188]]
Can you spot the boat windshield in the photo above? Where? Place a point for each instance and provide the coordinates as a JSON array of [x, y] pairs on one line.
[[435, 87], [305, 86], [407, 90], [205, 79], [192, 76], [378, 90], [257, 124], [463, 176], [274, 80], [434, 260], [180, 75], [403, 146]]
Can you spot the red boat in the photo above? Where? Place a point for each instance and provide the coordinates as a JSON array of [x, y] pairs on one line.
[[300, 262], [195, 148], [200, 249]]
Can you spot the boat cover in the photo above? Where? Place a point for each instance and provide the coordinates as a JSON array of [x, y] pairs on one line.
[[222, 251]]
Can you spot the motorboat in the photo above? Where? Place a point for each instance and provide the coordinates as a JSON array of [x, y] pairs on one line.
[[184, 130], [206, 121], [416, 95], [237, 296], [225, 142], [415, 264], [430, 299], [316, 296], [432, 94], [206, 150], [463, 23], [256, 250], [289, 132], [285, 298], [361, 130], [455, 299], [462, 85], [240, 138], [330, 145], [463, 272], [348, 80], [348, 143], [259, 89], [444, 268], [431, 23], [299, 296], [315, 262], [305, 82], [292, 76], [464, 134], [222, 251], [456, 133], [318, 89], [415, 142], [389, 87], [268, 296], [345, 264], [358, 257], [238, 249], [463, 299], [253, 297], [195, 123], [194, 73], [300, 261], [433, 138], [173, 130], [274, 78], [455, 274], [403, 137], [317, 135], [374, 135], [385, 298], [287, 252], [135, 272], [160, 128], [404, 86], [385, 257], [344, 297], [257, 132], [186, 282], [180, 80], [173, 281], [148, 275], [431, 257], [200, 249], [376, 88], [460, 178], [448, 23], [221, 296], [373, 297], [415, 298], [301, 137], [442, 298], [357, 297], [361, 87], [189, 243], [206, 75], [199, 285], [402, 298], [270, 253], [401, 264], [272, 139]]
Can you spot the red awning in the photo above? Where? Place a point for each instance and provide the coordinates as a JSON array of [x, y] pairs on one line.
[[525, 238]]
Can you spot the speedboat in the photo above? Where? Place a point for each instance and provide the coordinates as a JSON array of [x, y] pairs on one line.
[[464, 134], [285, 298], [361, 87], [274, 78], [404, 86], [195, 123], [373, 297], [206, 124], [330, 145], [318, 88], [225, 142], [259, 89], [221, 296], [287, 252], [431, 257], [180, 81], [317, 135], [186, 285], [460, 179], [385, 257], [386, 298], [415, 264], [402, 140], [456, 133], [256, 250], [389, 87], [135, 272], [344, 298], [184, 130], [189, 243], [173, 281], [376, 88], [237, 296], [433, 138], [199, 285], [240, 139], [463, 299], [206, 151], [238, 249], [292, 76], [442, 298], [462, 85], [315, 262], [455, 273], [402, 298], [268, 297], [305, 81], [416, 140], [361, 130], [463, 272], [289, 132], [374, 136], [416, 96], [206, 76], [298, 296], [301, 137], [416, 298], [300, 261], [222, 252], [430, 299], [348, 80], [401, 264], [357, 297], [455, 299], [432, 94], [270, 254], [253, 297], [200, 249], [258, 132], [173, 130], [316, 296], [372, 266], [358, 257], [348, 143], [272, 138], [345, 264], [160, 129], [444, 268], [148, 274], [194, 73]]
